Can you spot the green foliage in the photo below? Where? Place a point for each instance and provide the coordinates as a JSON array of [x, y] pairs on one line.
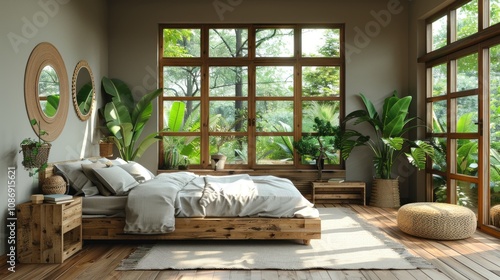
[[125, 118], [320, 144], [84, 98], [32, 149], [389, 129]]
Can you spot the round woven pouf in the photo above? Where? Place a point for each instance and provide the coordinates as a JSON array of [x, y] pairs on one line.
[[54, 185], [495, 215], [434, 220]]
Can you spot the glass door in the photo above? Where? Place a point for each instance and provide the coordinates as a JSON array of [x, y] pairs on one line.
[[492, 201]]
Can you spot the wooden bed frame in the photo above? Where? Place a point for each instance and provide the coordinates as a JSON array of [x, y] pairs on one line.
[[205, 228]]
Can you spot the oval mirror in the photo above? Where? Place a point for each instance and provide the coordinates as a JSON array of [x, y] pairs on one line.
[[83, 89], [46, 90]]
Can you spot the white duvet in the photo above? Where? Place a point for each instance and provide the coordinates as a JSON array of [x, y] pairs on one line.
[[153, 205]]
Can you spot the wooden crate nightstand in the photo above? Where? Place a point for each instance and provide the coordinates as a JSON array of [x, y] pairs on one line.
[[334, 192], [49, 233]]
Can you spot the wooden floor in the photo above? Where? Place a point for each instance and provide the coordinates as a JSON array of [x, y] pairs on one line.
[[474, 258]]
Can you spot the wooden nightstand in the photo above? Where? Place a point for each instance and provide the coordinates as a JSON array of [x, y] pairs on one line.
[[49, 233], [334, 192]]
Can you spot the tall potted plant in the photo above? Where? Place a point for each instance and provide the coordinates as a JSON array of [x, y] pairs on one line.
[[321, 145], [387, 145], [125, 118]]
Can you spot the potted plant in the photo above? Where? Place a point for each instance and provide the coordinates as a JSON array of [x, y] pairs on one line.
[[106, 147], [35, 151], [125, 118], [184, 163], [388, 143], [320, 145]]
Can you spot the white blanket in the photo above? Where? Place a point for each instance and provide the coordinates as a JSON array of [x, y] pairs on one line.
[[152, 206]]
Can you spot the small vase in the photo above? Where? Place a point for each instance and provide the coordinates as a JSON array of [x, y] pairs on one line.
[[218, 161]]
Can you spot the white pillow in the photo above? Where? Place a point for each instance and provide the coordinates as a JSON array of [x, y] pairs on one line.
[[116, 180], [78, 181], [139, 172]]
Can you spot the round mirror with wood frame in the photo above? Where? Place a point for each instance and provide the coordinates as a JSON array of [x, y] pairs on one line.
[[83, 90], [48, 105]]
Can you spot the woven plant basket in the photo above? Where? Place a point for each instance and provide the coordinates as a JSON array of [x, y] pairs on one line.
[[385, 193], [106, 149], [54, 185], [35, 157]]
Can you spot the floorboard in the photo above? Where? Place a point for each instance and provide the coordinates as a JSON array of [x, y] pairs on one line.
[[477, 257]]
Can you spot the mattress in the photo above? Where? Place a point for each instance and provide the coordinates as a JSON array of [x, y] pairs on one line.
[[98, 205]]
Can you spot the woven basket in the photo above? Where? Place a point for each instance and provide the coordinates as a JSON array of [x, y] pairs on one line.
[[54, 185], [385, 193], [35, 157], [106, 149]]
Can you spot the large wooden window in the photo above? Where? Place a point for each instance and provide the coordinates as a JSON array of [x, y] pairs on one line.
[[247, 91], [463, 106]]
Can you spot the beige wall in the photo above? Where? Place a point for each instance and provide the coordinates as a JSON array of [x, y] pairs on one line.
[[78, 30]]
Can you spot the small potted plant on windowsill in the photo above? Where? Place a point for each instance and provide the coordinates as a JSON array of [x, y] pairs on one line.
[[183, 163], [319, 145], [35, 151]]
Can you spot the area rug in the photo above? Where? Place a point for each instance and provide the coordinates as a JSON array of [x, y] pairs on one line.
[[347, 242]]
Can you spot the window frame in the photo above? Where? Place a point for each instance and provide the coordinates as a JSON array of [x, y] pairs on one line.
[[250, 61]]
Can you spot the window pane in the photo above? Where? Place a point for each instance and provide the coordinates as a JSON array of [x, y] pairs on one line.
[[276, 150], [228, 81], [274, 43], [467, 114], [439, 79], [181, 42], [274, 80], [228, 43], [185, 146], [439, 162], [325, 110], [467, 194], [191, 116], [320, 42], [228, 116], [439, 188], [494, 180], [467, 157], [181, 81], [235, 148], [467, 19], [467, 72], [321, 81], [439, 33], [494, 12], [273, 116], [439, 120]]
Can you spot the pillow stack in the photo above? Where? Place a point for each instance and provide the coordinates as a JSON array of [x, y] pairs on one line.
[[105, 177]]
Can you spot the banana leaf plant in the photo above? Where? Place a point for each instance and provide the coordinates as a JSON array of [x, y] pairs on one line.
[[126, 119], [389, 141]]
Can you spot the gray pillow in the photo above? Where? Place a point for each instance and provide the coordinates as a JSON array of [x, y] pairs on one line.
[[116, 180], [88, 170], [77, 179]]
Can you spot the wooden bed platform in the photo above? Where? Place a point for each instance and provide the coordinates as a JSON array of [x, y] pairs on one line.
[[205, 228], [211, 228]]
